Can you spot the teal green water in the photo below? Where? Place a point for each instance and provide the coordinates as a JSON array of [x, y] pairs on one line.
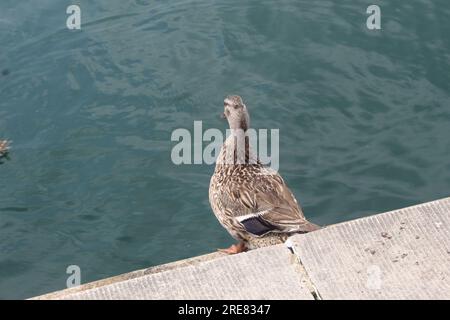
[[364, 120]]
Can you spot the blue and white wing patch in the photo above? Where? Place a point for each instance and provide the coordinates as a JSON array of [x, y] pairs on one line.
[[255, 224]]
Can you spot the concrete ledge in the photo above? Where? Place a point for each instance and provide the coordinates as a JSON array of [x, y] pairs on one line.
[[402, 254], [267, 273], [130, 275]]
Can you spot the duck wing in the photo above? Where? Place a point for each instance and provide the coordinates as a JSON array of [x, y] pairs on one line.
[[265, 204]]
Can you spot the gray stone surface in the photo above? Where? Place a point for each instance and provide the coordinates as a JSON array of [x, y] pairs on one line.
[[131, 275], [403, 254], [268, 273]]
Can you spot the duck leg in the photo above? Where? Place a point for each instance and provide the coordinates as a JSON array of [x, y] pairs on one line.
[[235, 248]]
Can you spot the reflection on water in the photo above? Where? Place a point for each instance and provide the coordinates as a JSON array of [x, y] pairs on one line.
[[363, 117]]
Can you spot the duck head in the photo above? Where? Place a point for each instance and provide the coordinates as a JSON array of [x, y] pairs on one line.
[[236, 113]]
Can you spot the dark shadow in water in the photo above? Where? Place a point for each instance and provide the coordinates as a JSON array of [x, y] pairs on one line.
[[5, 72], [4, 156]]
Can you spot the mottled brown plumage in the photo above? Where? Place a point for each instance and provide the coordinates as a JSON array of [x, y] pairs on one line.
[[4, 147], [250, 200]]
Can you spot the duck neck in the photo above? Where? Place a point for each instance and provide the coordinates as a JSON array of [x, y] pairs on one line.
[[237, 149]]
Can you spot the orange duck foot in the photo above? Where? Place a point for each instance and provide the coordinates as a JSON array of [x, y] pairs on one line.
[[235, 248]]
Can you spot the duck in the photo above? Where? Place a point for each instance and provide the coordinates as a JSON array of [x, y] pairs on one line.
[[4, 147], [251, 200]]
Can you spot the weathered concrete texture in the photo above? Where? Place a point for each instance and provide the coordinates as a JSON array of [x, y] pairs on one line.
[[403, 254], [131, 275], [268, 273]]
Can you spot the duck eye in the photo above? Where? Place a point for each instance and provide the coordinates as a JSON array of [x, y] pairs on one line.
[[236, 106]]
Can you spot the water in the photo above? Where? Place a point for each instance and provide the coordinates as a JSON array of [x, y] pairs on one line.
[[363, 115]]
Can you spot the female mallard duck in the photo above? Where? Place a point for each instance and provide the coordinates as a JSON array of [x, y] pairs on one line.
[[250, 200], [4, 146]]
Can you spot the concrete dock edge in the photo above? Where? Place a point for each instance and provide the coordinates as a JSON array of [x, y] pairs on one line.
[[402, 254]]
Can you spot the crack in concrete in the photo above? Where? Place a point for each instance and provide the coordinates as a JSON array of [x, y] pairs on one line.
[[302, 270]]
